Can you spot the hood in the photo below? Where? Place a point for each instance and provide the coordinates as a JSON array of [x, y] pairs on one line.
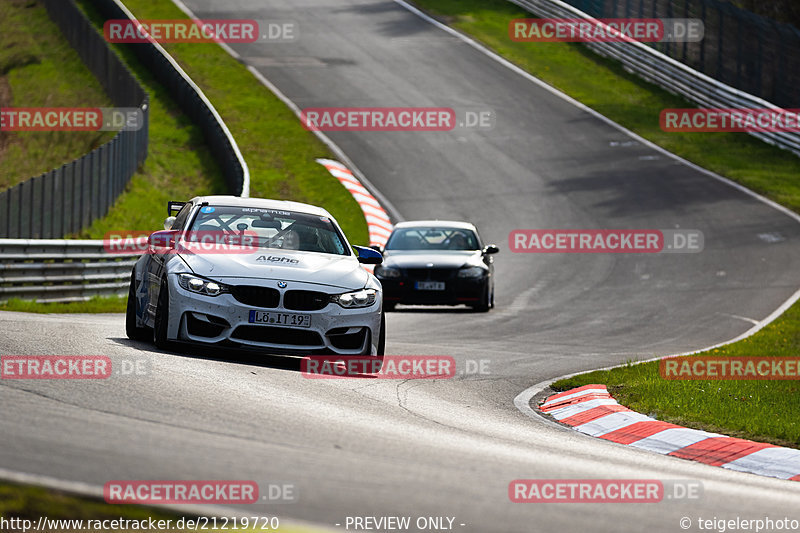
[[306, 267], [421, 259]]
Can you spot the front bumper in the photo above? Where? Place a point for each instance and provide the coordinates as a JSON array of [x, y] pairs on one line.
[[457, 291], [224, 320]]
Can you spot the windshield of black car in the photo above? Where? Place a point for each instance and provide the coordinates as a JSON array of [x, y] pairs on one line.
[[438, 239], [271, 228]]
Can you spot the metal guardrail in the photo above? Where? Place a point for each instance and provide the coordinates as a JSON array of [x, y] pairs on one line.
[[741, 48], [668, 73], [61, 270]]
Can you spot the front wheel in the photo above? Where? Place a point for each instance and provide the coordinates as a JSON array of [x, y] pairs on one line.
[[382, 336], [134, 332], [483, 305]]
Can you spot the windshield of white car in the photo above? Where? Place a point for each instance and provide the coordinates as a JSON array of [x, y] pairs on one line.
[[272, 228], [433, 239]]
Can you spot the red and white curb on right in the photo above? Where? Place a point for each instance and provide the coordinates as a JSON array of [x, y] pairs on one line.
[[378, 222], [593, 411]]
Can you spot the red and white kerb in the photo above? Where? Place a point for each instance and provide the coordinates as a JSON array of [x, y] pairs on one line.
[[592, 410], [378, 223]]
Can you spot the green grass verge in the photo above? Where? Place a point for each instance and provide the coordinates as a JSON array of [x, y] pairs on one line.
[[604, 86], [98, 304], [765, 411], [30, 503], [760, 410], [279, 152], [38, 68], [178, 166]]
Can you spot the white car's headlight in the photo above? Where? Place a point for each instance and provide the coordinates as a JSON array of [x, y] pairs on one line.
[[356, 299], [386, 272], [471, 272], [201, 285]]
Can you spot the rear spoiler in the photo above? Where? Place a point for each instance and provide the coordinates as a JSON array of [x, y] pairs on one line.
[[174, 206]]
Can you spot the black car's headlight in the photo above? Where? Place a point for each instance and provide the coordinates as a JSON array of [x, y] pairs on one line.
[[201, 285], [356, 299], [387, 272], [471, 272]]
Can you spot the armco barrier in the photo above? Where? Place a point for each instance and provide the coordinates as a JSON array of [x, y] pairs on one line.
[[748, 51], [69, 198], [61, 270], [191, 100], [668, 73]]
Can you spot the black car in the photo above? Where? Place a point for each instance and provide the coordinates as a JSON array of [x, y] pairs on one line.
[[437, 263]]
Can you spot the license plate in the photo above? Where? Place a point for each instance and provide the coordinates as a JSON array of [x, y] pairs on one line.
[[429, 285], [280, 319]]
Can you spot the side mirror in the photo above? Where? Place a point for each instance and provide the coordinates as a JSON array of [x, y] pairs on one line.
[[168, 222], [376, 248], [163, 239], [490, 249], [368, 256]]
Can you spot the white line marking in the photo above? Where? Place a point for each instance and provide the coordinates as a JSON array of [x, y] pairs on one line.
[[506, 63], [522, 400]]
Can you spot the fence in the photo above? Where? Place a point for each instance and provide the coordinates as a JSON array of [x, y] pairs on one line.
[[69, 198], [667, 72], [749, 52]]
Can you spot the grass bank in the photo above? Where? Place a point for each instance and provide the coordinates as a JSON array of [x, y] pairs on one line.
[[279, 152], [39, 68]]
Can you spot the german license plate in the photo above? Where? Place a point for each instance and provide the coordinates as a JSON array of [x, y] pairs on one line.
[[429, 285], [280, 319]]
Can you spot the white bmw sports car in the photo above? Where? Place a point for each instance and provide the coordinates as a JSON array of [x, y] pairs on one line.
[[275, 276]]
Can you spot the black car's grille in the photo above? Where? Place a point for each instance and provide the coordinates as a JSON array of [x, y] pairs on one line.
[[305, 300], [256, 296], [270, 335], [434, 274]]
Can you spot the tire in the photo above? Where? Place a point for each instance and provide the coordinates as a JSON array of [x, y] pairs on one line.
[[382, 337], [134, 332], [381, 340], [483, 305], [161, 322]]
